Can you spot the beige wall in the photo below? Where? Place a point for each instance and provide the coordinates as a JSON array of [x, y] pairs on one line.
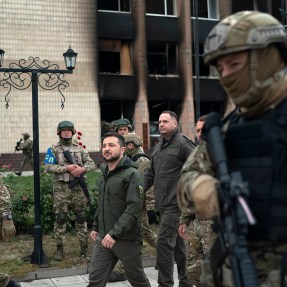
[[46, 29]]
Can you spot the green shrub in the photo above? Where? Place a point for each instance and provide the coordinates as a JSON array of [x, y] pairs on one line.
[[46, 201], [23, 201]]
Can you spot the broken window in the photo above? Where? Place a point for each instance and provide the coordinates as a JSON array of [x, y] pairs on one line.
[[206, 8], [114, 5], [161, 58], [162, 7], [115, 57], [204, 70]]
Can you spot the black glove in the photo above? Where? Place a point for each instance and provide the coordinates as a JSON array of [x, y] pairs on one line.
[[152, 217]]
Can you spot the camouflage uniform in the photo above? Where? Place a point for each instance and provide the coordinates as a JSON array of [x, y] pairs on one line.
[[5, 207], [66, 199], [27, 148], [200, 240], [258, 88]]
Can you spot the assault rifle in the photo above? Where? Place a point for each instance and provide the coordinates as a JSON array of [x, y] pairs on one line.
[[18, 145], [77, 180], [235, 215]]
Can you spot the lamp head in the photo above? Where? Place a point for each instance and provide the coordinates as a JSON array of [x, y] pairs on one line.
[[70, 58], [2, 52]]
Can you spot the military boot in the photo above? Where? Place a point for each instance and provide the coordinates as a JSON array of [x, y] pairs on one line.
[[59, 253]]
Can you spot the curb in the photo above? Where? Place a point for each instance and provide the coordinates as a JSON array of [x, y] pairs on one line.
[[46, 273]]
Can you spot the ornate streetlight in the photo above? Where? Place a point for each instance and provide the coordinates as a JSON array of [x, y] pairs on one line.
[[48, 76]]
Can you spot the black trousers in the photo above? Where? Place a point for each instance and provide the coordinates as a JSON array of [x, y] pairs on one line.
[[170, 248], [104, 260]]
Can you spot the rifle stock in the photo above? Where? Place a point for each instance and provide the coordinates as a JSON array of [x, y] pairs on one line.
[[77, 180], [233, 220]]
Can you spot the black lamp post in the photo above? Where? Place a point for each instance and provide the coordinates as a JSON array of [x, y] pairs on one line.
[[48, 76]]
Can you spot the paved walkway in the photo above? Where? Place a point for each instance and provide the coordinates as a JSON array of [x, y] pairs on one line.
[[82, 280]]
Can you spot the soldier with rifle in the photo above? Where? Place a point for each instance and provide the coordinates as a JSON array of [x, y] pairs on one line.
[[238, 173], [27, 148], [68, 161]]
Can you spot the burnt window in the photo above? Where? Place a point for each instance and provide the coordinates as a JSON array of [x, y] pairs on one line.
[[204, 70], [115, 57], [114, 5], [206, 9], [162, 58], [162, 7]]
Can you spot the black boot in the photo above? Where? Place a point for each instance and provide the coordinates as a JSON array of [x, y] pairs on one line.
[[12, 283], [116, 277]]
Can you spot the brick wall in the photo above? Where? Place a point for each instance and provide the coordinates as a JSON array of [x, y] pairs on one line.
[[46, 29]]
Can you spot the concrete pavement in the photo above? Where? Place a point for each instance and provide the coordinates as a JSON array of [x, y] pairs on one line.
[[82, 280]]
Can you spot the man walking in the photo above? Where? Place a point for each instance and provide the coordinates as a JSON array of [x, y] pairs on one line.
[[117, 223], [167, 160]]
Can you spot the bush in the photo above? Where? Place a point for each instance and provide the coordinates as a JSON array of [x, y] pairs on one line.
[[23, 201], [46, 201]]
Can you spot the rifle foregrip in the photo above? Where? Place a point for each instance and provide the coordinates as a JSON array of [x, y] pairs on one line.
[[244, 272]]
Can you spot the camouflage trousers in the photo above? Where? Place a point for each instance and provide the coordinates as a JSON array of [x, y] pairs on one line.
[[148, 235], [270, 262], [4, 279], [27, 159], [200, 240], [66, 200]]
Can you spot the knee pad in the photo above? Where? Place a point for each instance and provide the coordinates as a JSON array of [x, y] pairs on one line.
[[81, 217], [61, 218]]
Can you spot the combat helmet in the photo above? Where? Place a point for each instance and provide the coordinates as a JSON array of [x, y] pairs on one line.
[[65, 125], [25, 135], [123, 123], [133, 138], [244, 31]]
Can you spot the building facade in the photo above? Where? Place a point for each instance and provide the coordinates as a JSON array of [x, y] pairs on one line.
[[135, 59]]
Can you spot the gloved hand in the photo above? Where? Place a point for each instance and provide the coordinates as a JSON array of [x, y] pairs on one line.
[[8, 230], [204, 196]]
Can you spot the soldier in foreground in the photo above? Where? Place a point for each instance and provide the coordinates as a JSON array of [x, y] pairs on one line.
[[7, 228], [249, 51], [27, 149], [68, 197]]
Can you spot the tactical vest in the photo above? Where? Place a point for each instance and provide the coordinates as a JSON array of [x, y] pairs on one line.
[[258, 149], [76, 152]]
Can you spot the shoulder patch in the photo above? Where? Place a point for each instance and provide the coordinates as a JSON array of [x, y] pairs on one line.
[[141, 191]]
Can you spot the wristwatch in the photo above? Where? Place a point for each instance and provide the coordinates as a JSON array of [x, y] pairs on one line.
[[7, 216]]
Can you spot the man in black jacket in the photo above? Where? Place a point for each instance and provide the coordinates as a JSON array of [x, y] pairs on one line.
[[167, 160]]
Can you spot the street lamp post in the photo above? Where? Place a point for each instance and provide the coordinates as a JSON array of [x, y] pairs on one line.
[[21, 76]]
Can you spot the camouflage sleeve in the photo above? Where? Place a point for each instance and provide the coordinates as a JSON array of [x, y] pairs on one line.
[[143, 163], [53, 167], [186, 218], [5, 199], [89, 164], [198, 163]]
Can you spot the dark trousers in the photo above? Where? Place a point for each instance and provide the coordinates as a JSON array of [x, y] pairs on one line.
[[104, 260], [170, 247]]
